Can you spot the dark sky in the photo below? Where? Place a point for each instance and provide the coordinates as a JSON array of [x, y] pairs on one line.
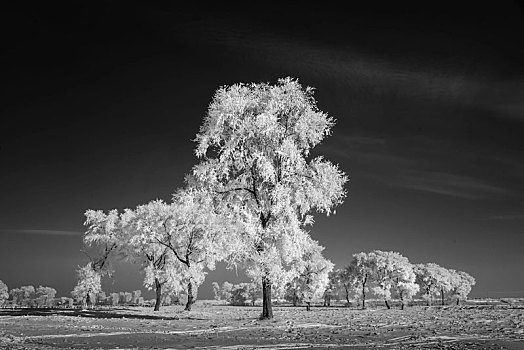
[[100, 104]]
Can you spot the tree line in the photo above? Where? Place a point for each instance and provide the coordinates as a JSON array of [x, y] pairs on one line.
[[27, 296], [385, 274]]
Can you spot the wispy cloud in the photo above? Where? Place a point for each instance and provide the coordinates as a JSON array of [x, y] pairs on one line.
[[345, 64], [508, 217], [42, 232], [449, 185]]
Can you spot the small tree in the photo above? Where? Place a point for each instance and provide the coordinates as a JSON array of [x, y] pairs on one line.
[[216, 290], [196, 235], [130, 235], [23, 296], [88, 284], [312, 274], [444, 282], [359, 274], [392, 271], [405, 284], [255, 145], [226, 291], [462, 284], [335, 287], [239, 295], [4, 293], [44, 296], [145, 223], [432, 279], [344, 283], [292, 292]]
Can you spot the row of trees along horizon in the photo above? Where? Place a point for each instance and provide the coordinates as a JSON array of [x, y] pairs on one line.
[[248, 201], [384, 274], [45, 297]]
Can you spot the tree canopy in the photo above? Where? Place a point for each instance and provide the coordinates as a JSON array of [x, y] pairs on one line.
[[254, 145]]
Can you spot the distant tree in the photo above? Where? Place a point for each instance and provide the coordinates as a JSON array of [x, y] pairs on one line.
[[216, 290], [253, 292], [88, 284], [23, 296], [255, 144], [359, 274], [239, 295], [392, 271], [344, 282], [444, 282], [333, 288], [4, 293], [312, 275], [405, 284], [226, 291], [17, 295], [462, 283], [339, 286], [292, 292], [432, 279], [44, 296]]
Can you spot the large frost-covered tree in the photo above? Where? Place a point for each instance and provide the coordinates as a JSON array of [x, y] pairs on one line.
[[254, 145]]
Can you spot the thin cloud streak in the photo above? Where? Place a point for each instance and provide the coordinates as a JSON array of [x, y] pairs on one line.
[[343, 64], [508, 217], [43, 232], [374, 73], [449, 185]]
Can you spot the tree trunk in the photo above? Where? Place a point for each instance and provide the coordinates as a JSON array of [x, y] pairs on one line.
[[347, 294], [295, 298], [442, 295], [363, 296], [190, 299], [400, 294], [429, 299], [308, 306], [387, 304], [267, 310], [158, 287]]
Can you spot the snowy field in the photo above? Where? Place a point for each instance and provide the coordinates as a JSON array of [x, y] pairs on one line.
[[486, 324]]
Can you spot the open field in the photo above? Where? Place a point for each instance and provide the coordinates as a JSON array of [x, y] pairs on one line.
[[211, 326]]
